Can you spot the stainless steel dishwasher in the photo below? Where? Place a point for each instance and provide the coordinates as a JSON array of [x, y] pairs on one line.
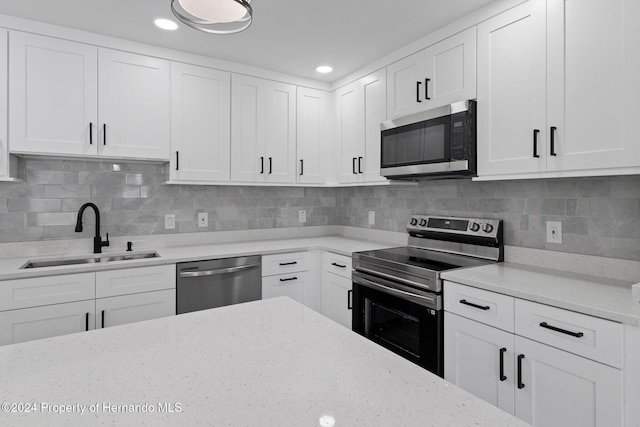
[[217, 282]]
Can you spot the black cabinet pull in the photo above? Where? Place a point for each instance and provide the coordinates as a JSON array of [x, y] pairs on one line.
[[301, 167], [503, 377], [552, 137], [288, 279], [90, 133], [535, 142], [335, 264], [359, 164], [470, 304], [418, 91], [563, 331], [349, 299], [177, 160], [353, 164], [289, 263], [104, 134], [520, 383], [426, 89], [261, 164], [86, 322], [270, 164], [103, 318]]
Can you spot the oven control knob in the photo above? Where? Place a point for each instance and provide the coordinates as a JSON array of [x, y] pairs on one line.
[[423, 222], [488, 228], [414, 221], [474, 226]]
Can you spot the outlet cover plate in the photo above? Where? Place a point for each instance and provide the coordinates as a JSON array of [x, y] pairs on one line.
[[169, 222], [302, 216], [554, 232], [203, 219]]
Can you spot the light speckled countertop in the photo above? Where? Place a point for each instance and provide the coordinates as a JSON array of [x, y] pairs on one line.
[[606, 298], [271, 362], [10, 267]]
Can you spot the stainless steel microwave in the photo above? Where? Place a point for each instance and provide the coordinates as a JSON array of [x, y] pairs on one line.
[[436, 143]]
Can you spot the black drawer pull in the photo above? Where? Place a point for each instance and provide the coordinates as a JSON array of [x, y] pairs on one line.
[[552, 137], [86, 322], [563, 331], [503, 377], [103, 318], [288, 263], [335, 264], [349, 299], [520, 383], [289, 279], [470, 304]]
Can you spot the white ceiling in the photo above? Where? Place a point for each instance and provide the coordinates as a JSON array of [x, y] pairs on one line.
[[290, 36]]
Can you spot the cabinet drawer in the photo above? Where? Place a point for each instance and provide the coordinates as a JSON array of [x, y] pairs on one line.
[[125, 309], [37, 291], [285, 263], [477, 304], [338, 264], [587, 336], [135, 280], [291, 285]]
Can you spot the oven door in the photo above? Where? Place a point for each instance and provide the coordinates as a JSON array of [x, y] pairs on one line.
[[409, 324]]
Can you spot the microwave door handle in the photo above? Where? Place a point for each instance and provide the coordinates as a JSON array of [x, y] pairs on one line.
[[418, 91]]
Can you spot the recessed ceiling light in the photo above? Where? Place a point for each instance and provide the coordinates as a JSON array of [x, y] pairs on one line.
[[166, 24], [324, 69]]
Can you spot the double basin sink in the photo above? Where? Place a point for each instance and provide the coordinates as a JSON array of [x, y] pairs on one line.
[[89, 259]]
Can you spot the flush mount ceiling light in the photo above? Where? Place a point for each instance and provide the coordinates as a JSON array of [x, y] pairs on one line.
[[166, 24], [214, 16], [324, 69]]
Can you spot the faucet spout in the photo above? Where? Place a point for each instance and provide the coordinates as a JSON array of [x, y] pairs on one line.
[[98, 243]]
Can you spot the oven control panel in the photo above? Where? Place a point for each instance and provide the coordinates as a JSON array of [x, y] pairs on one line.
[[450, 225]]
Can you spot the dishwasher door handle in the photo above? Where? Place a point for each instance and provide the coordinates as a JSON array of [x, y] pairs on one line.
[[188, 274]]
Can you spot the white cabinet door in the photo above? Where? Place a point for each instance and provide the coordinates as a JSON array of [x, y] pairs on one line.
[[557, 388], [247, 128], [200, 123], [124, 309], [337, 298], [450, 70], [4, 102], [45, 322], [292, 285], [511, 91], [349, 131], [591, 100], [134, 109], [405, 85], [53, 101], [375, 112], [480, 360], [280, 132], [311, 135]]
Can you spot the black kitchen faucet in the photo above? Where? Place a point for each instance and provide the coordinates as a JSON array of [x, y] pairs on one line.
[[98, 243]]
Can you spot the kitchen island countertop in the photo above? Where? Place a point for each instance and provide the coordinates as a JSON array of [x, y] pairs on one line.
[[270, 362]]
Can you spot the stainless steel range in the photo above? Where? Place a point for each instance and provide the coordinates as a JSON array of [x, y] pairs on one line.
[[397, 292]]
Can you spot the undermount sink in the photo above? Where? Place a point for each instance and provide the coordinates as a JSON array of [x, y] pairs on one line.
[[88, 259]]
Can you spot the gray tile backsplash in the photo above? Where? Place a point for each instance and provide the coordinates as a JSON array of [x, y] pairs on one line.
[[600, 216]]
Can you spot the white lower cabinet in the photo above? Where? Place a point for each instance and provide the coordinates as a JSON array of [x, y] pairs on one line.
[[544, 385], [124, 309], [291, 285], [336, 288], [292, 275], [45, 322]]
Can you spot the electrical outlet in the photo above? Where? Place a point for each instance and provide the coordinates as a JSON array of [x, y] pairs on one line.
[[203, 219], [554, 232], [169, 221], [302, 216], [372, 217]]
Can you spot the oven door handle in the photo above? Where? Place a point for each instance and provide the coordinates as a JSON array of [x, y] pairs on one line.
[[365, 282], [397, 279]]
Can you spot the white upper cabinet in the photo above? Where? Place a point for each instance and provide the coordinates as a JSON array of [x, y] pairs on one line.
[[4, 148], [263, 130], [61, 105], [553, 94], [54, 96], [511, 88], [133, 105], [311, 135], [438, 75], [200, 123], [360, 108]]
